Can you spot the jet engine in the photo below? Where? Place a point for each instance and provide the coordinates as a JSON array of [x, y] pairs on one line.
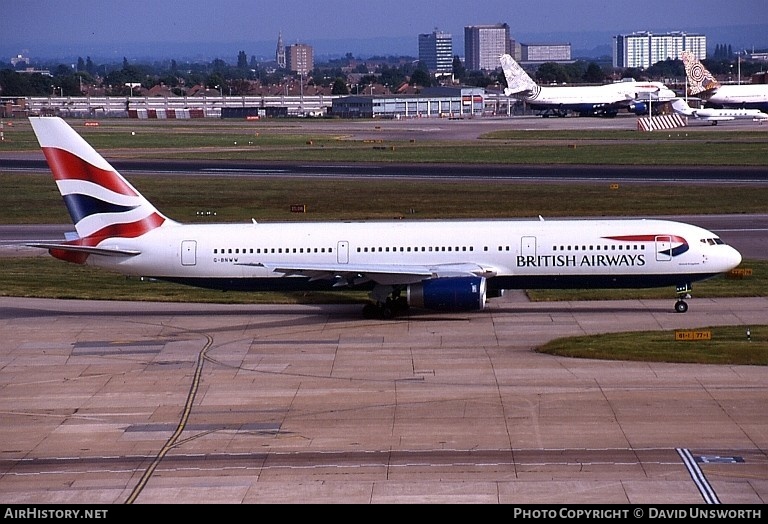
[[448, 294], [639, 108]]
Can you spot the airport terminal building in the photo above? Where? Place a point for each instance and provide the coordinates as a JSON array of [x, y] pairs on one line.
[[446, 102]]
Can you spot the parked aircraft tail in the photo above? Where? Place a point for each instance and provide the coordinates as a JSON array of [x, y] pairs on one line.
[[681, 107], [518, 80], [699, 78], [101, 203]]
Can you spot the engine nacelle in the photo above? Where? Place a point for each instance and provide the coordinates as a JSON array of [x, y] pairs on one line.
[[448, 294], [639, 108]]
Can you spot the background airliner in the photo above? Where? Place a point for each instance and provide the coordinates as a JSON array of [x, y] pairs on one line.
[[714, 116], [440, 265], [602, 100], [703, 84]]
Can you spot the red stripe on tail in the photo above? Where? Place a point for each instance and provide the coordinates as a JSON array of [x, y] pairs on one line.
[[66, 166]]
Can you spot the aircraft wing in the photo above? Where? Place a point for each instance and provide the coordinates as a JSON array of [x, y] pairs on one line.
[[385, 274]]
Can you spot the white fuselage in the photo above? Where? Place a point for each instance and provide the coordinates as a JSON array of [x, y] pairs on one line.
[[730, 114], [752, 96], [715, 115], [514, 253], [603, 99], [619, 92]]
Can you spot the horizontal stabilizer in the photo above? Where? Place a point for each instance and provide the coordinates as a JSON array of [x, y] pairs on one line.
[[90, 250]]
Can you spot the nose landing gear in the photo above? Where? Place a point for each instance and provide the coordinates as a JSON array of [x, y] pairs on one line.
[[683, 291]]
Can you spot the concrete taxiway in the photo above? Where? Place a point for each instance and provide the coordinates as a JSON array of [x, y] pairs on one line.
[[123, 402], [114, 402]]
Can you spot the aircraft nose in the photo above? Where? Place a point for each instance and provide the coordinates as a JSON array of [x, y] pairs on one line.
[[732, 258]]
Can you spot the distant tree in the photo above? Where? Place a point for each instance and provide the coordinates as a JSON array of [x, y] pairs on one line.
[[574, 72], [17, 84], [69, 84], [421, 76], [219, 66], [633, 72], [459, 71], [240, 87], [215, 81], [391, 76], [667, 69], [594, 74], [477, 79], [551, 72], [339, 87], [242, 60]]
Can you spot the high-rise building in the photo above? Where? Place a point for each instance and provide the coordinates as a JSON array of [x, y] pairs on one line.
[[484, 44], [644, 49], [436, 51], [299, 58], [545, 52], [280, 53]]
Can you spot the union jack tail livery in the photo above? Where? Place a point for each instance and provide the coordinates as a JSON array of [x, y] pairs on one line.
[[444, 265], [102, 204]]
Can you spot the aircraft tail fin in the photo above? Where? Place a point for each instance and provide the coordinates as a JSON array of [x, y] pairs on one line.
[[699, 78], [680, 106], [518, 80], [101, 203]]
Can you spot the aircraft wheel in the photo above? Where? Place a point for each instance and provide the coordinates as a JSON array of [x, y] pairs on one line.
[[370, 311], [681, 306]]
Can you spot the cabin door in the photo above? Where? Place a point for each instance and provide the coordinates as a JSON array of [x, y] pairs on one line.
[[342, 252], [188, 252], [664, 248], [528, 246]]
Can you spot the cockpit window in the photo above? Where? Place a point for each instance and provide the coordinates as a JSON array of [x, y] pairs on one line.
[[712, 241]]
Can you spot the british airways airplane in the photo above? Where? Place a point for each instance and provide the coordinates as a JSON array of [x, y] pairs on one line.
[[702, 83], [602, 100], [452, 265]]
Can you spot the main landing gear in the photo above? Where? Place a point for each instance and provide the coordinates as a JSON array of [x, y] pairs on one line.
[[683, 291], [387, 303], [390, 308]]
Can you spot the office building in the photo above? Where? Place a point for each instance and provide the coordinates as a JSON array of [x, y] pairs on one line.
[[299, 58], [643, 49], [436, 51], [545, 52], [484, 44]]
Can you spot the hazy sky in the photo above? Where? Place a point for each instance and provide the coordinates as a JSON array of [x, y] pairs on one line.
[[96, 22]]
